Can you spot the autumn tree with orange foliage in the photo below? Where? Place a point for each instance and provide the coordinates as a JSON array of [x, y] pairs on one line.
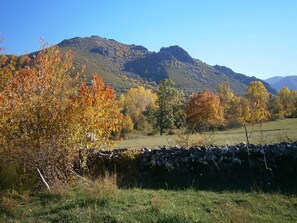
[[46, 119], [99, 113], [204, 111]]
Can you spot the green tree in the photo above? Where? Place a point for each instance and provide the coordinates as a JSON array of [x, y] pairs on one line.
[[294, 112], [151, 116], [274, 107], [169, 100]]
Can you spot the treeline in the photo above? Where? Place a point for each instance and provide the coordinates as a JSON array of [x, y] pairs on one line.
[[168, 108]]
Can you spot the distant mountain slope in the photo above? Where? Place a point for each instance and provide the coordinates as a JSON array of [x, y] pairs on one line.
[[175, 63], [280, 82], [123, 66], [243, 78], [273, 80], [106, 58]]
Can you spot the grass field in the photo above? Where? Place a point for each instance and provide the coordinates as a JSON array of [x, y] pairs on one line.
[[103, 201], [270, 132], [110, 204]]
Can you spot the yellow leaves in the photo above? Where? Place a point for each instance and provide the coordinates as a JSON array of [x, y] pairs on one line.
[[257, 91], [257, 97], [234, 108], [100, 111], [137, 100], [46, 118], [288, 100], [226, 94], [127, 123]]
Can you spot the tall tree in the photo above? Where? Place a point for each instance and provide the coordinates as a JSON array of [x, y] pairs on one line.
[[99, 112], [287, 99], [226, 94], [45, 118], [230, 103], [256, 109], [136, 101], [294, 112], [204, 111], [274, 107], [257, 97], [254, 106], [169, 98]]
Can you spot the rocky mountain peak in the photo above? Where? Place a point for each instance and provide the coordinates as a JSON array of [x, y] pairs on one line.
[[178, 53]]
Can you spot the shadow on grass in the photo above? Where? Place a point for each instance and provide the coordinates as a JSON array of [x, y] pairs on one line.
[[244, 180]]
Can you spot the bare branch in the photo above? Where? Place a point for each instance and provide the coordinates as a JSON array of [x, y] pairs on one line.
[[43, 180]]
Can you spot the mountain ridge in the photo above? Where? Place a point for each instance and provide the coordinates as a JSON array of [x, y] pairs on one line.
[[278, 82], [243, 78], [123, 66]]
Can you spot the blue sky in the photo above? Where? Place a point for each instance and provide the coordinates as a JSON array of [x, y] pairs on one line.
[[254, 37]]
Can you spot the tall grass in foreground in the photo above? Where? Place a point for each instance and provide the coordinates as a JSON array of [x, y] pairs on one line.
[[103, 201]]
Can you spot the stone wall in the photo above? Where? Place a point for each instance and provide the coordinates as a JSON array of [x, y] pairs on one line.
[[267, 166]]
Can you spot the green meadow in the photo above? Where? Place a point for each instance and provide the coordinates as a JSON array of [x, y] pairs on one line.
[[267, 133], [107, 203]]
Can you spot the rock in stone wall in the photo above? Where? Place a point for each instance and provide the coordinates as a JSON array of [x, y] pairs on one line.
[[266, 166]]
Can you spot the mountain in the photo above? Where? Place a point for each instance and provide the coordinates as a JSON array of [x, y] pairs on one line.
[[279, 82], [243, 78], [273, 80], [123, 66]]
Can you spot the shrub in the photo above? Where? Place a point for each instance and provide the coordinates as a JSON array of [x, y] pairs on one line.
[[47, 118]]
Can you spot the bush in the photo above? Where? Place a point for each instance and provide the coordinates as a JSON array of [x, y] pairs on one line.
[[143, 125], [47, 117]]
